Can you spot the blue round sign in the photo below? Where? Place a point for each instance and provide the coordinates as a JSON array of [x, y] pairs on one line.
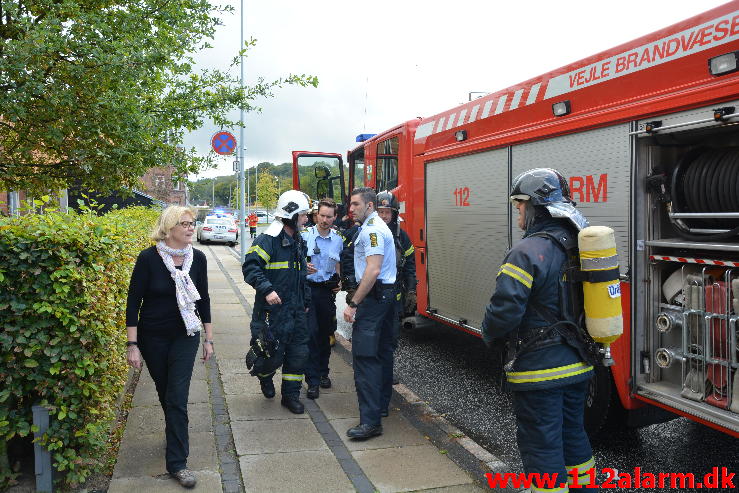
[[223, 143]]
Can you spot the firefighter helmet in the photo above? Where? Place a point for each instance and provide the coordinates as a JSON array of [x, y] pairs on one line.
[[548, 188], [291, 204], [387, 200]]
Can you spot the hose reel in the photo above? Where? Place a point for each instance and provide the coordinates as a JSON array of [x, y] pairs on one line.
[[706, 181]]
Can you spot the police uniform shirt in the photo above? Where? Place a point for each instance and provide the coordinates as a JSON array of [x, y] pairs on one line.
[[375, 238], [324, 252]]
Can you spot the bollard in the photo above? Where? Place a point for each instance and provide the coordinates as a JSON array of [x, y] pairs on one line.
[[42, 457]]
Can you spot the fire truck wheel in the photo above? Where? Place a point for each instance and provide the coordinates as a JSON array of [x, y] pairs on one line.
[[599, 400]]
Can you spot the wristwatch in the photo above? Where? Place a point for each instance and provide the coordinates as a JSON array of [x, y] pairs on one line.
[[352, 304], [208, 341], [131, 343]]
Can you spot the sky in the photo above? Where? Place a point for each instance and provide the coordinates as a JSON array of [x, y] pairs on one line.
[[383, 62]]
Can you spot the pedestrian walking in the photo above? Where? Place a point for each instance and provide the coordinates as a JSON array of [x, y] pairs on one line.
[[253, 221], [324, 247], [167, 306], [372, 312], [531, 307], [275, 266], [405, 282]]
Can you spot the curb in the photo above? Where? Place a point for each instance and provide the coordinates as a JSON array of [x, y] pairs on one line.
[[487, 462]]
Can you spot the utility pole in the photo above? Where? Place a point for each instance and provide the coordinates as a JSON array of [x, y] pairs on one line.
[[242, 148], [213, 192]]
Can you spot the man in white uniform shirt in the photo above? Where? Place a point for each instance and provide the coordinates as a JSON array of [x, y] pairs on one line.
[[372, 312]]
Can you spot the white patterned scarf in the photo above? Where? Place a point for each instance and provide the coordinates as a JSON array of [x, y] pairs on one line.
[[187, 293]]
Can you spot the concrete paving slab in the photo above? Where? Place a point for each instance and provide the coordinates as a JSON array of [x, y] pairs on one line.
[[150, 419], [233, 351], [240, 384], [338, 405], [231, 365], [146, 392], [208, 482], [397, 432], [304, 472], [144, 455], [251, 407], [271, 436], [337, 365], [341, 382], [216, 300], [409, 468]]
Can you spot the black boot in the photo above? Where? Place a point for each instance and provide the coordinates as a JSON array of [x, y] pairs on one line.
[[268, 387], [363, 432], [293, 404], [313, 392]]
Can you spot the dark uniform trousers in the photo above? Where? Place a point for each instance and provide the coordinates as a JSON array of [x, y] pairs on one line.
[[321, 324], [170, 360], [550, 422], [372, 351], [293, 337]]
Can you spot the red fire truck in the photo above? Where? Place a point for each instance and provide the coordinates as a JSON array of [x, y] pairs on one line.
[[648, 134]]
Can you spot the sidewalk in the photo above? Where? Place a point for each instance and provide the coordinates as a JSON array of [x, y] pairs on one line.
[[242, 442]]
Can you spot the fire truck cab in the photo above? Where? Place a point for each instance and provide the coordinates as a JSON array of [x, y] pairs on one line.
[[647, 135]]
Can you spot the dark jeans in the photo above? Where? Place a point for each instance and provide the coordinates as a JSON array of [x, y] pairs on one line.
[[321, 323], [170, 361]]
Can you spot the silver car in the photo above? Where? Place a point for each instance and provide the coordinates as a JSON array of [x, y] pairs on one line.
[[218, 229]]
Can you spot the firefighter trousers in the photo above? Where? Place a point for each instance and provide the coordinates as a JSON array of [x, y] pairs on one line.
[[551, 433], [294, 348]]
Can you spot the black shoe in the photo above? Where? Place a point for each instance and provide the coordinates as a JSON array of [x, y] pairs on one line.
[[363, 432], [384, 413], [268, 388], [325, 383], [313, 392], [293, 404], [396, 379]]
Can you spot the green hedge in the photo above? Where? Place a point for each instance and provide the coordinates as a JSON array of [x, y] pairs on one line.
[[63, 284]]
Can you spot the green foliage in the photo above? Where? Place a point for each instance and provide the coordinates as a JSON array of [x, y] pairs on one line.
[[201, 191], [98, 91], [63, 284], [267, 189]]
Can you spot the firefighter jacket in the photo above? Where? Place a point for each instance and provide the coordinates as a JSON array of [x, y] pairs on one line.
[[405, 259], [277, 263], [532, 270], [347, 257]]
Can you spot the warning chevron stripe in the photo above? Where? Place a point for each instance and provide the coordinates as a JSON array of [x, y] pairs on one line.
[[701, 261]]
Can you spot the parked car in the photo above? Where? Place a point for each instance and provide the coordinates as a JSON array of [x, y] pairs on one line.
[[218, 228], [264, 216]]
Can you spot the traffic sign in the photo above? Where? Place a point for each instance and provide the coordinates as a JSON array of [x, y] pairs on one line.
[[223, 143]]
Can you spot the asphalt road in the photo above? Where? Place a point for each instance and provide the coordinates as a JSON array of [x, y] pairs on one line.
[[451, 371]]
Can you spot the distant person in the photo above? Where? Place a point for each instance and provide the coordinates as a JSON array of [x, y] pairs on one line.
[[324, 252], [372, 312], [253, 221], [167, 306], [275, 266]]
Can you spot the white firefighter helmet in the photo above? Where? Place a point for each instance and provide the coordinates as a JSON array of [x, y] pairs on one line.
[[289, 206], [292, 203]]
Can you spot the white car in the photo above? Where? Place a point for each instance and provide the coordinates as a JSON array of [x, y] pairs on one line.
[[264, 217], [218, 229]]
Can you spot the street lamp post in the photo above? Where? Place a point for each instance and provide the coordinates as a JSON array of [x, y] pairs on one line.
[[242, 148]]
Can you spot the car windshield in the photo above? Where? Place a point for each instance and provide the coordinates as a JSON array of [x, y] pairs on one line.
[[216, 220]]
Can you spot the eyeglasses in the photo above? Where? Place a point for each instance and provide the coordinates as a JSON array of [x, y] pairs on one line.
[[187, 224]]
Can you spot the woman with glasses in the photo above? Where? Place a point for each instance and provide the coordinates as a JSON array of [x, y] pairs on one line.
[[168, 305]]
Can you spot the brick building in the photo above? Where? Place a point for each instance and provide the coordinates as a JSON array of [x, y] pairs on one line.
[[160, 184]]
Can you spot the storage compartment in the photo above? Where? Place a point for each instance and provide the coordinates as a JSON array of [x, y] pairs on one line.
[[690, 270]]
